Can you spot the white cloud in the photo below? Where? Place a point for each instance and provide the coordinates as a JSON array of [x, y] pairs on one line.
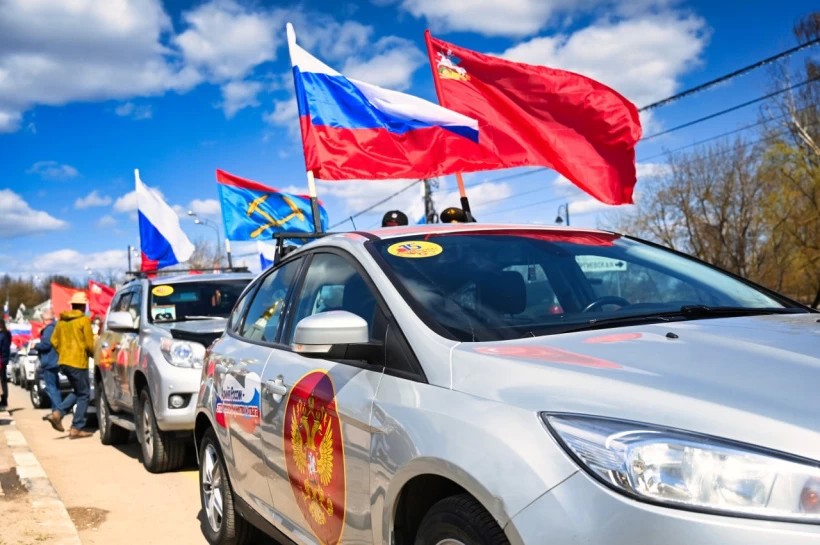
[[483, 197], [237, 95], [17, 218], [127, 203], [92, 199], [519, 18], [391, 67], [642, 59], [55, 52], [52, 170], [225, 40], [107, 221], [134, 111], [71, 262], [204, 207]]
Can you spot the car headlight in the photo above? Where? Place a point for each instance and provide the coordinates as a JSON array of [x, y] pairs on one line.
[[182, 353], [691, 471]]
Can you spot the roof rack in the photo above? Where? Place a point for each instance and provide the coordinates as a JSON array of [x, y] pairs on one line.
[[148, 274]]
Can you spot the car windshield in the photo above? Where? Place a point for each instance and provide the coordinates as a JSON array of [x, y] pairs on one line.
[[193, 300], [508, 284]]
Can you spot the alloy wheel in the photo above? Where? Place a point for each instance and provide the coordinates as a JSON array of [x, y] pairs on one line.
[[147, 430], [212, 487]]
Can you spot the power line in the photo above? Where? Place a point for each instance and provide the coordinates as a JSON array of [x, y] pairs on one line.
[[731, 75], [728, 110], [374, 205]]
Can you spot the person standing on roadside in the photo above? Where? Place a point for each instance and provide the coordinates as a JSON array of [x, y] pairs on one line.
[[5, 356], [49, 366], [74, 342]]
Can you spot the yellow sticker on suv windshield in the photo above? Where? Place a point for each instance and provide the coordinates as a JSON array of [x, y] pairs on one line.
[[162, 291], [415, 248]]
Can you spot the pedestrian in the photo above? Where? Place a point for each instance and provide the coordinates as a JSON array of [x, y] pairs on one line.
[[49, 366], [5, 357], [74, 342], [394, 218]]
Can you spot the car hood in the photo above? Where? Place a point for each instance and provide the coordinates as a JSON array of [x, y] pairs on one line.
[[203, 332], [753, 379]]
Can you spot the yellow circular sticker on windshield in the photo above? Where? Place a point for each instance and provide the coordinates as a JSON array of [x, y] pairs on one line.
[[415, 248], [162, 291]]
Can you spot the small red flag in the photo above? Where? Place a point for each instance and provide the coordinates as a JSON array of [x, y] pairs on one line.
[[99, 297], [537, 116]]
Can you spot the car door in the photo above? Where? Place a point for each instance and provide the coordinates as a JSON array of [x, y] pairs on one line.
[[109, 351], [129, 351], [240, 359], [318, 436]]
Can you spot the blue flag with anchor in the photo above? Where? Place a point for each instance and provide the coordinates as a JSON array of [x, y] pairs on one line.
[[253, 211]]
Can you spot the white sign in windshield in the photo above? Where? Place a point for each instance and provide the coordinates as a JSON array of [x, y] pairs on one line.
[[594, 263]]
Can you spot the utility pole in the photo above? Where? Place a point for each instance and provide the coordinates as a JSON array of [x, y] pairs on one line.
[[430, 215]]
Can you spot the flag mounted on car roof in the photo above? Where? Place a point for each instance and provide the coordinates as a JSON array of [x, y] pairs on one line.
[[355, 130], [538, 116], [162, 240], [254, 211]]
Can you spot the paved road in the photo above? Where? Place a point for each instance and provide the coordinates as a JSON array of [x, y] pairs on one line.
[[111, 497]]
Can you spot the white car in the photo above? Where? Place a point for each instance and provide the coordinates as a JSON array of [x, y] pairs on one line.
[[27, 360]]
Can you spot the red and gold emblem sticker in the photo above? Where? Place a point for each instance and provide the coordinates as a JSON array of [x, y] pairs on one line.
[[314, 453]]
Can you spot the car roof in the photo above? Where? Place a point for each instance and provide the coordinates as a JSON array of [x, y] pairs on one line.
[[387, 233], [205, 277]]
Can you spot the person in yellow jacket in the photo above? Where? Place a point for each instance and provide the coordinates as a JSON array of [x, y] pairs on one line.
[[74, 343]]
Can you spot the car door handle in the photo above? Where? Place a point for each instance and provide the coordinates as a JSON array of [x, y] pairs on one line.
[[276, 388]]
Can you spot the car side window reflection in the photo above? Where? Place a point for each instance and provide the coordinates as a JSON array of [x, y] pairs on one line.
[[333, 283], [265, 310]]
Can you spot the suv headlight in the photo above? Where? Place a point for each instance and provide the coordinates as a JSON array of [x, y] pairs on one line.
[[691, 471], [182, 353]]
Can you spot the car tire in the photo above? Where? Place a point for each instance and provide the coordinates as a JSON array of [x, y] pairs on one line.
[[222, 525], [460, 520], [161, 451], [110, 433], [39, 398]]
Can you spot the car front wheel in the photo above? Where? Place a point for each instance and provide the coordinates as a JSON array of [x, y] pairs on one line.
[[161, 451], [224, 526], [459, 520]]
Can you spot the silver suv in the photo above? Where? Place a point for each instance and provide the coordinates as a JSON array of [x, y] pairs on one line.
[[148, 360]]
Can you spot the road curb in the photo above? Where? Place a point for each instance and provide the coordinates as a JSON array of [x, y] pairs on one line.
[[41, 492]]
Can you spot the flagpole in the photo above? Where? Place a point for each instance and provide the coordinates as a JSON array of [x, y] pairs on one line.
[[314, 202], [465, 202]]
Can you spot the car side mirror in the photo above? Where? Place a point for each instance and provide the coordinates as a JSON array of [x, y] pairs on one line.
[[120, 321], [336, 334]]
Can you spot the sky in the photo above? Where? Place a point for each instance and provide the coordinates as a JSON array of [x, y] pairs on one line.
[[92, 89]]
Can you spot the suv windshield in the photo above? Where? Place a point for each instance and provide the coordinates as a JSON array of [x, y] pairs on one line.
[[507, 284], [193, 300]]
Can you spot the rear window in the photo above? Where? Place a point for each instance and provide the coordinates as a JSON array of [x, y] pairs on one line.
[[193, 300]]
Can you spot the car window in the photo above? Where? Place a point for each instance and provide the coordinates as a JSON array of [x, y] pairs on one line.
[[134, 305], [238, 313], [333, 283], [120, 302], [267, 304]]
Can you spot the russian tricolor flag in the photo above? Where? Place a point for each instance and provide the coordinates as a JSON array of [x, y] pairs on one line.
[[162, 240], [354, 130]]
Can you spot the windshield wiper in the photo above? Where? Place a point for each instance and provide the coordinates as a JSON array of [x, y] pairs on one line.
[[704, 311], [196, 317], [685, 312]]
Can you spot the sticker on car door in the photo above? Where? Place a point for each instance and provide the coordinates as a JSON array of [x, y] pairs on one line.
[[314, 452]]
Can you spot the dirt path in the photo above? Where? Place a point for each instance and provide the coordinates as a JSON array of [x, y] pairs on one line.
[[109, 495]]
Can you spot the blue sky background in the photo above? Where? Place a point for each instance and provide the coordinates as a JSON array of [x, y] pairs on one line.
[[91, 90]]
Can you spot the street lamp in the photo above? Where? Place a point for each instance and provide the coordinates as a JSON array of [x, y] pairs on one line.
[[559, 219], [215, 227]]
